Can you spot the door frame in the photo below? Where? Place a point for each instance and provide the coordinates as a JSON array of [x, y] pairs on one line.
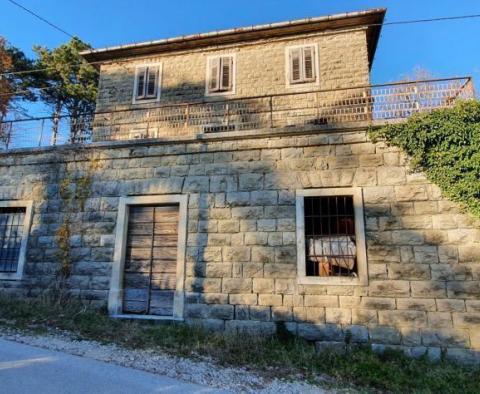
[[115, 294]]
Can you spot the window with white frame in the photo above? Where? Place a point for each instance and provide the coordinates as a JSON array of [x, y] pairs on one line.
[[330, 236], [15, 220], [147, 83], [221, 75], [302, 64]]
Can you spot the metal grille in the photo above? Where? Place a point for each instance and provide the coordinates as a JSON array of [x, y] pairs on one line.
[[330, 236], [373, 104], [11, 232]]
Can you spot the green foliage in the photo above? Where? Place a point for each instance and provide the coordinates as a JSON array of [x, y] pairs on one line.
[[14, 88], [445, 144], [69, 83], [74, 189], [69, 78], [273, 356]]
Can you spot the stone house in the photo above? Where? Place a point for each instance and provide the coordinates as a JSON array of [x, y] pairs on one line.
[[228, 181]]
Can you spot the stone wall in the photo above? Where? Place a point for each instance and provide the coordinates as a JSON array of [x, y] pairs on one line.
[[423, 253], [260, 69]]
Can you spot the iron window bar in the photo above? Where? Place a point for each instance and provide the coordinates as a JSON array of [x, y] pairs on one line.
[[11, 233], [330, 241]]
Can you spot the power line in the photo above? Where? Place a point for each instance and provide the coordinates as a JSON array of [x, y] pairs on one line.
[[440, 19], [35, 70], [41, 18], [25, 91], [394, 23]]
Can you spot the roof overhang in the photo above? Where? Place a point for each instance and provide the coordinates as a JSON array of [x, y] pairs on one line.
[[371, 20]]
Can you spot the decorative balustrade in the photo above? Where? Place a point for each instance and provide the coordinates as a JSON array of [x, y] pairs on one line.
[[328, 108]]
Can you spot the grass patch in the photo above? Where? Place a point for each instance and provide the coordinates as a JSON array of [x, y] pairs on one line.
[[285, 357]]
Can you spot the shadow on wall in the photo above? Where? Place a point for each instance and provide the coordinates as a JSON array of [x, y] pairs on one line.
[[172, 117], [423, 295], [69, 247]]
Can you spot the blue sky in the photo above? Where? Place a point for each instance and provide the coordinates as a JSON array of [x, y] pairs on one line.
[[445, 49]]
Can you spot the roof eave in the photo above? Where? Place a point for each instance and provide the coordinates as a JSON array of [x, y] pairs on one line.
[[371, 19]]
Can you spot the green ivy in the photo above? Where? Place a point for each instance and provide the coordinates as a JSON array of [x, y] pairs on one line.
[[445, 145]]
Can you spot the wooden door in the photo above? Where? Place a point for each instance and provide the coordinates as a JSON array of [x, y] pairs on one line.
[[151, 260]]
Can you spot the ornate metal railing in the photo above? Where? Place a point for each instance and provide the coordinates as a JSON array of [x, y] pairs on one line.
[[326, 108]]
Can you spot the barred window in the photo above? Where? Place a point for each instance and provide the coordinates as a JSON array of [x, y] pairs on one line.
[[330, 235], [11, 232], [15, 220], [330, 243]]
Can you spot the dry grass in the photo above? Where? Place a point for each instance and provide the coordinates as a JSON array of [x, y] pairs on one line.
[[282, 356]]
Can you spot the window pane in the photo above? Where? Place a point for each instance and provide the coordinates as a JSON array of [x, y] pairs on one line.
[[226, 77], [330, 241], [295, 65], [308, 58], [141, 82], [213, 83], [152, 82]]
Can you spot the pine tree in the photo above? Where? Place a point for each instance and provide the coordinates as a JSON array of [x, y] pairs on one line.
[[69, 86]]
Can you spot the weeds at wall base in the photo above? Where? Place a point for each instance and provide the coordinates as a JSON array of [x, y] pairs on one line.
[[285, 357]]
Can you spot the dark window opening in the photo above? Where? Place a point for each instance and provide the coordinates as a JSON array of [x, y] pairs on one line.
[[147, 83], [330, 241], [11, 233]]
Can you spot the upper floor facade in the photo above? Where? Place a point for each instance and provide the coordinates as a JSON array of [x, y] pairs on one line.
[[235, 80], [309, 73], [305, 55]]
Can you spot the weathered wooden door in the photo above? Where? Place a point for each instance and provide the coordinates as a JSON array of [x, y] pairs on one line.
[[151, 260]]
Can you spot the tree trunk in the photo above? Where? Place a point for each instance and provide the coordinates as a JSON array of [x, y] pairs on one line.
[[74, 126], [56, 121]]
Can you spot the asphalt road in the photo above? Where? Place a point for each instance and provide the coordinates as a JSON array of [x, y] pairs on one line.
[[27, 369]]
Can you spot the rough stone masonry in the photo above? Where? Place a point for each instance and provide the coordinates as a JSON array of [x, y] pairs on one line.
[[423, 267], [423, 253]]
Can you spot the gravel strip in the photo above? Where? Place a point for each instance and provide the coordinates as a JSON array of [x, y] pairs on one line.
[[238, 380]]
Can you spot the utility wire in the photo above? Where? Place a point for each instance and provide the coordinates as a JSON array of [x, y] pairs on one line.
[[394, 23], [444, 18], [14, 93], [41, 18]]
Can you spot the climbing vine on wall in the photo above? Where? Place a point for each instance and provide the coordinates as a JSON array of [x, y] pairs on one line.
[[445, 145], [74, 190]]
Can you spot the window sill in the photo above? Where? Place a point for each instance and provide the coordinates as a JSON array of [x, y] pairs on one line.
[[224, 93], [302, 85], [146, 101], [331, 280], [10, 276], [145, 317]]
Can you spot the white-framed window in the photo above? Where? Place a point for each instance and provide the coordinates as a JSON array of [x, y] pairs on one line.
[[147, 85], [331, 236], [220, 78], [15, 222], [302, 64], [148, 270]]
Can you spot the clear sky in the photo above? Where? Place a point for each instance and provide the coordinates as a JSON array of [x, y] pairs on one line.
[[445, 49]]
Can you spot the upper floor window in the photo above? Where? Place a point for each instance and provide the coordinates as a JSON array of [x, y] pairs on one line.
[[147, 83], [221, 75], [15, 218], [302, 64], [330, 235]]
